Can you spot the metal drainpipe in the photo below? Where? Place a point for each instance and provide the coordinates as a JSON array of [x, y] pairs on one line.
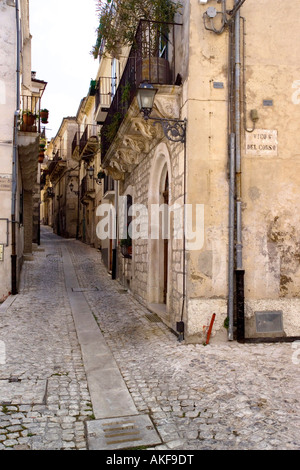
[[231, 236], [14, 287], [239, 247], [115, 236], [238, 137]]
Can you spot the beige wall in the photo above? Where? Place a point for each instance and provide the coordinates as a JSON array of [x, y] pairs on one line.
[[7, 108], [269, 183]]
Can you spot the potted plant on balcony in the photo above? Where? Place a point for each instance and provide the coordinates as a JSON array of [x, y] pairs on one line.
[[42, 144], [28, 118], [44, 115], [125, 15], [93, 87], [41, 157]]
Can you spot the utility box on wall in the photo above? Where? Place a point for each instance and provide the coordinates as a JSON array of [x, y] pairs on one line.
[[1, 252]]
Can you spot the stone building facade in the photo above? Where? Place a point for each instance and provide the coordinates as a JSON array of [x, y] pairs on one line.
[[86, 153], [60, 200], [20, 133], [238, 91]]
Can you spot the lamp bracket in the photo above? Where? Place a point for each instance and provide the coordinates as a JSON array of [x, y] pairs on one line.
[[174, 129]]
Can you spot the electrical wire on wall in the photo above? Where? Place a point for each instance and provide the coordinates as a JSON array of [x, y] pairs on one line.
[[211, 16]]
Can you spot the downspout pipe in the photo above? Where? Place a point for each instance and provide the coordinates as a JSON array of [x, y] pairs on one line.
[[239, 247], [231, 236], [14, 286], [237, 127], [115, 232]]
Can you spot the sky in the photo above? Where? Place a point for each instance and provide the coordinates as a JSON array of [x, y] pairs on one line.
[[63, 34]]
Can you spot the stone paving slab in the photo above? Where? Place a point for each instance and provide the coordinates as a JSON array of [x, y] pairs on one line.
[[109, 394]]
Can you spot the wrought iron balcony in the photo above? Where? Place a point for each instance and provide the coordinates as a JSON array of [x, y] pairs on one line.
[[75, 146], [56, 165], [152, 59], [87, 189], [30, 114], [103, 97], [89, 142]]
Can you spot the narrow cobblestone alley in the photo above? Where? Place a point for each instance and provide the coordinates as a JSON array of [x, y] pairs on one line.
[[223, 396]]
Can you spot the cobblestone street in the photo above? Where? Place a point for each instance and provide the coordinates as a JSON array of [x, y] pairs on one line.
[[222, 396]]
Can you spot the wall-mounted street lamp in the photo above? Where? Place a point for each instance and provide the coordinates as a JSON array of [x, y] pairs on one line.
[[174, 129], [91, 172], [50, 192], [71, 186]]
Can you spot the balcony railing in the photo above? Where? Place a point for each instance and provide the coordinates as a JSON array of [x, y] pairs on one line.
[[75, 142], [104, 96], [108, 184], [30, 114], [89, 141], [87, 188], [56, 164], [152, 59]]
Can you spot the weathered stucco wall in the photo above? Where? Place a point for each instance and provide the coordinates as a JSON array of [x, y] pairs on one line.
[[207, 174], [7, 108], [270, 182]]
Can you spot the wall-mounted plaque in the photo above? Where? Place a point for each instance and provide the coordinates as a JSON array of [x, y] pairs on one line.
[[262, 142]]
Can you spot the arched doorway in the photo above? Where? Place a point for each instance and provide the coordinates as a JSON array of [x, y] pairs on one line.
[[165, 236], [159, 244]]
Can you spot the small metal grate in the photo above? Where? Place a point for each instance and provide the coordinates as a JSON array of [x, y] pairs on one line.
[[153, 318], [121, 433]]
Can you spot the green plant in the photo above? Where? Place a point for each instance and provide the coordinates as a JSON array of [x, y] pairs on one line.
[[93, 86], [28, 117], [125, 97], [44, 114], [29, 113], [111, 129], [118, 21], [43, 143]]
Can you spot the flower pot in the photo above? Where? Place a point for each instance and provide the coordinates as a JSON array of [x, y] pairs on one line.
[[41, 156], [28, 120], [44, 116]]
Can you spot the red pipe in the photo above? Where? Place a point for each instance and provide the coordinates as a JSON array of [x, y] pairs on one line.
[[210, 328]]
